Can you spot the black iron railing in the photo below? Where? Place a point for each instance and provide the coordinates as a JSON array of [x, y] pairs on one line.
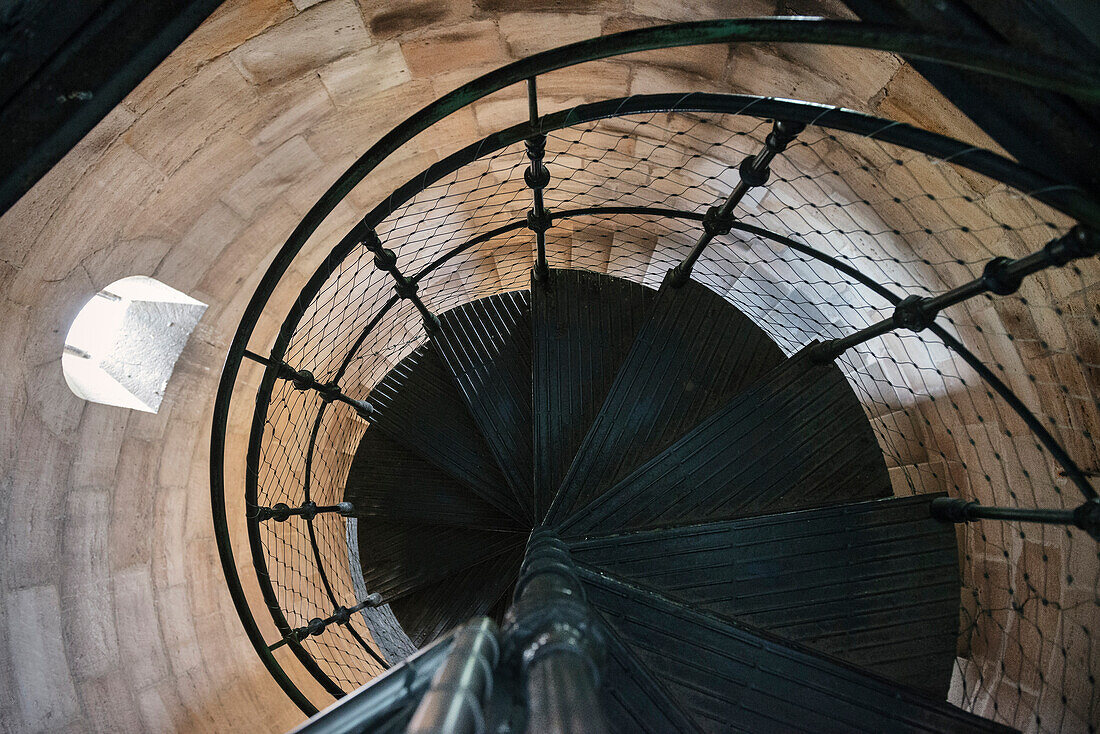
[[806, 268]]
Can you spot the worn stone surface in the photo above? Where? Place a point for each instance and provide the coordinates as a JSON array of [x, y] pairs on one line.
[[324, 33], [365, 73], [524, 33], [477, 44], [408, 17]]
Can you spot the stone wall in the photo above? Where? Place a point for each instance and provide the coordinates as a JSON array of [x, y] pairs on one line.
[[113, 608]]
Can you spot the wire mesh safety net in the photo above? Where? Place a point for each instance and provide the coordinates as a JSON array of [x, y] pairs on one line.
[[1029, 616]]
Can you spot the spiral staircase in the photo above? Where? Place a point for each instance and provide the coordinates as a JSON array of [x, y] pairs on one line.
[[656, 491], [716, 497]]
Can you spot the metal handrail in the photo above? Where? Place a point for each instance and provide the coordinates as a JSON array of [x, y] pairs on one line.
[[1044, 73], [373, 703]]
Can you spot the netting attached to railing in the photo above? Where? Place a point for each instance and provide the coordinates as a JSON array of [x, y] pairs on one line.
[[1029, 608]]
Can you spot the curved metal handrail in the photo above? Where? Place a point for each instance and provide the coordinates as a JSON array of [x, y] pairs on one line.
[[996, 61]]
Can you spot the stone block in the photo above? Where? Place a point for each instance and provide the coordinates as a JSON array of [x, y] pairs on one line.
[[35, 492], [205, 584], [860, 75], [132, 505], [123, 259], [630, 254], [592, 242], [109, 704], [602, 7], [764, 70], [557, 90], [181, 124], [223, 281], [707, 62], [88, 220], [101, 431], [139, 635], [233, 23], [901, 436], [685, 10], [89, 624], [185, 265], [406, 17], [177, 626], [988, 635], [477, 43], [88, 612], [161, 708], [293, 108], [303, 43], [308, 190], [362, 75], [360, 125], [270, 177], [965, 682], [529, 33], [910, 98], [46, 696], [928, 477], [24, 221], [175, 206], [170, 550], [660, 79], [1014, 705]]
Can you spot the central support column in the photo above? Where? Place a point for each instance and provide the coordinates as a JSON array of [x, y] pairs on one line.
[[554, 636]]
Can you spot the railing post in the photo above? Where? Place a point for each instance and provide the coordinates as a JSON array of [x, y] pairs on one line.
[[1001, 275], [537, 176], [953, 510], [454, 704], [755, 171], [281, 512], [557, 641], [317, 625], [386, 261], [304, 380]]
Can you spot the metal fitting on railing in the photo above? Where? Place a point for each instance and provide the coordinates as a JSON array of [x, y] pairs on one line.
[[281, 512], [537, 177], [317, 625], [557, 641], [1001, 275], [754, 171], [386, 261], [953, 510], [304, 380], [455, 702]]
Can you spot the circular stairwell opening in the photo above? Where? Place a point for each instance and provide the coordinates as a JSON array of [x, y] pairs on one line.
[[859, 213]]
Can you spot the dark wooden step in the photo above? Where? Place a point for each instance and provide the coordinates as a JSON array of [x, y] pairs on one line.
[[487, 346], [472, 592], [400, 558], [634, 699], [797, 438], [694, 353], [875, 583], [418, 405], [584, 324], [390, 482], [729, 676]]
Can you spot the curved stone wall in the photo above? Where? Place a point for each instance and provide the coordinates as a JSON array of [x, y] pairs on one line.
[[113, 609]]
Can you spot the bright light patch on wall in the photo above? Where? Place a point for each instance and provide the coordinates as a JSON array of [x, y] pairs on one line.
[[123, 345]]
